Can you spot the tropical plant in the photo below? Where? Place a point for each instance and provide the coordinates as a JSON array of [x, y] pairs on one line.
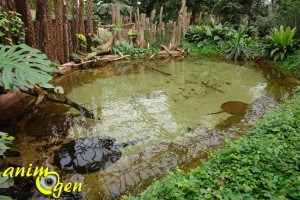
[[210, 33], [237, 47], [281, 43], [81, 40], [22, 66]]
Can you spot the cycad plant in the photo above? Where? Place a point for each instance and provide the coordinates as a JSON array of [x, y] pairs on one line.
[[281, 43]]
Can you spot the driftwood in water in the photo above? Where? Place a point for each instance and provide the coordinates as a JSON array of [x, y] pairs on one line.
[[157, 70], [84, 112], [154, 69]]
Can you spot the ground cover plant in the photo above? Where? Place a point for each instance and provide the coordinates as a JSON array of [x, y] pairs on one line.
[[291, 64], [262, 165]]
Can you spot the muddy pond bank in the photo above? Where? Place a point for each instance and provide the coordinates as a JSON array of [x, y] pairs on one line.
[[135, 102]]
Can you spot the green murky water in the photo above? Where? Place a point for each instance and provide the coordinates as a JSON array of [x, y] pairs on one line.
[[169, 112], [161, 108]]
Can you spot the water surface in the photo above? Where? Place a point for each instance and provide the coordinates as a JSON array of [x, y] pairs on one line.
[[168, 112]]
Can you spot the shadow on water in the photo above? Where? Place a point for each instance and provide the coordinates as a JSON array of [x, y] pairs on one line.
[[133, 101]]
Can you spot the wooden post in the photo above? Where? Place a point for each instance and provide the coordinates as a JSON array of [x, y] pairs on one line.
[[37, 25], [113, 14], [43, 16], [23, 7], [75, 24], [188, 21], [58, 9], [160, 23], [113, 18], [81, 18], [130, 15], [90, 27], [71, 48], [66, 30]]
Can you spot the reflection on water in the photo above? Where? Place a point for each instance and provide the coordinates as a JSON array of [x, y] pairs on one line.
[[134, 103]]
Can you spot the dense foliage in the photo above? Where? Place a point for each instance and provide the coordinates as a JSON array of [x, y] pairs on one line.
[[125, 48], [210, 33], [291, 64], [263, 165], [281, 43], [11, 23]]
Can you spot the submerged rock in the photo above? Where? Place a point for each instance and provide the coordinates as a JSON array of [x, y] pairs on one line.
[[87, 155]]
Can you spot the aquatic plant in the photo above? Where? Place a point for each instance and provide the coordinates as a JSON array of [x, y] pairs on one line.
[[281, 43]]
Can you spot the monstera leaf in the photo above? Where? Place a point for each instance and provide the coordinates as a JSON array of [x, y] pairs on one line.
[[22, 66]]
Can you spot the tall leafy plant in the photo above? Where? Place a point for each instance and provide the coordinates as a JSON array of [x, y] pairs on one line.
[[281, 43], [22, 66], [237, 47]]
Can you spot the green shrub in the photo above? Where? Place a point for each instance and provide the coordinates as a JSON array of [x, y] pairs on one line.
[[125, 48], [263, 165], [265, 24], [281, 43], [210, 33], [210, 49], [237, 47], [291, 64]]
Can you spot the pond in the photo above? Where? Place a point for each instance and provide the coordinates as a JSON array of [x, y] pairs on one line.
[[171, 112]]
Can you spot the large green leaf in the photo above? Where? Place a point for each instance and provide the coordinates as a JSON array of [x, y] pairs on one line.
[[5, 182], [22, 66]]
